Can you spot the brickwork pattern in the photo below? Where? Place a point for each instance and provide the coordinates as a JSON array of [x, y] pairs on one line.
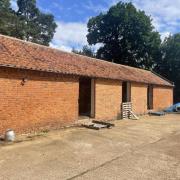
[[49, 100], [44, 100], [108, 97], [163, 97], [139, 98]]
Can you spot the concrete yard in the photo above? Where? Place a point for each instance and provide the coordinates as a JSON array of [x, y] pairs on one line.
[[148, 148]]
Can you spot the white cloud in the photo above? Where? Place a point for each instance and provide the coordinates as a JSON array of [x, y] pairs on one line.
[[164, 35], [14, 5], [95, 7], [70, 35], [60, 46], [165, 15], [97, 46], [113, 2]]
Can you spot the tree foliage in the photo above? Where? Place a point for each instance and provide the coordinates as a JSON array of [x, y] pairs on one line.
[[28, 23], [9, 21], [169, 64], [86, 51], [38, 27], [127, 35]]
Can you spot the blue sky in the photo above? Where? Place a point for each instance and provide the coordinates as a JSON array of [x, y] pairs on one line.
[[72, 15]]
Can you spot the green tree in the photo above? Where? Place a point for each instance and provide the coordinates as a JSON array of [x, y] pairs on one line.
[[37, 27], [86, 51], [127, 35], [5, 14], [10, 24], [169, 65]]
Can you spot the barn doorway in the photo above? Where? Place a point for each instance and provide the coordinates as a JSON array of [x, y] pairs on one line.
[[126, 92], [86, 97], [150, 97]]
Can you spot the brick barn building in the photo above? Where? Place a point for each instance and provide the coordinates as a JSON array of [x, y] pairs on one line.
[[45, 87]]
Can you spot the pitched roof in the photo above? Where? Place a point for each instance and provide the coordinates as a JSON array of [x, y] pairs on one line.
[[20, 54]]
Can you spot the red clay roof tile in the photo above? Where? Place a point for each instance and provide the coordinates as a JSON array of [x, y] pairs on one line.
[[25, 55]]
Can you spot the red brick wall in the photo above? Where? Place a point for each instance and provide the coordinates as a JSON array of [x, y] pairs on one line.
[[45, 100], [163, 97], [49, 100], [139, 98], [107, 99]]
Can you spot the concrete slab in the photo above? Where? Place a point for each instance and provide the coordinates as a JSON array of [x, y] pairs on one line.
[[134, 149]]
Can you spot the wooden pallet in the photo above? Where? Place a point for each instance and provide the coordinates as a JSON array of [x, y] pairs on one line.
[[127, 112], [126, 108]]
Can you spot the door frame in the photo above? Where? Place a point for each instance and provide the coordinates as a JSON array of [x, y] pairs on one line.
[[150, 97], [92, 99]]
